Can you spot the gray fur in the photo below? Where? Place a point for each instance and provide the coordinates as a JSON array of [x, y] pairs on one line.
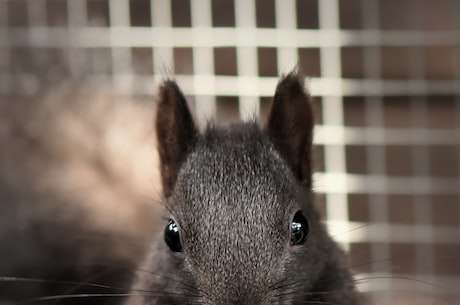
[[234, 197]]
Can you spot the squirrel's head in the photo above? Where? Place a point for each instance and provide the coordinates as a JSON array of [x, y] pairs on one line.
[[243, 229]]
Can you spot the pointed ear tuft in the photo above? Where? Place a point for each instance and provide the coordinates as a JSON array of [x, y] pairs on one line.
[[176, 132], [290, 125]]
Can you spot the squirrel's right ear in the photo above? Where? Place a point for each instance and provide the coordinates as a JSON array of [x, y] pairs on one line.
[[176, 132], [290, 125]]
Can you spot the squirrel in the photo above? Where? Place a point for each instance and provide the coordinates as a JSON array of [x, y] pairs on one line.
[[242, 228]]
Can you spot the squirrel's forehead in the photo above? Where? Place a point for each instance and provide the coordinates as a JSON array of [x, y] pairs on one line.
[[234, 173], [236, 178], [233, 162], [226, 190]]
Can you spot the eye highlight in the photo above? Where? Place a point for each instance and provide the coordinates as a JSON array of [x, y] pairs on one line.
[[172, 236], [299, 229]]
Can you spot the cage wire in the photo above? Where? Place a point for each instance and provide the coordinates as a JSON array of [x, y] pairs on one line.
[[384, 76]]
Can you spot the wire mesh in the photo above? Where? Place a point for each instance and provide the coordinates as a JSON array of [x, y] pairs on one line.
[[384, 75]]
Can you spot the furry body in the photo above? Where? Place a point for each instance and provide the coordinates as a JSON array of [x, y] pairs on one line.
[[75, 195]]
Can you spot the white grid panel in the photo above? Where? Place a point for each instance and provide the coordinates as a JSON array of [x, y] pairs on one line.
[[337, 203], [121, 55], [376, 159], [331, 86], [420, 161], [246, 58], [203, 58], [161, 18], [286, 31]]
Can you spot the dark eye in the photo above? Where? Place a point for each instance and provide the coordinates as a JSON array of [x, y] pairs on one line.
[[299, 229], [172, 236]]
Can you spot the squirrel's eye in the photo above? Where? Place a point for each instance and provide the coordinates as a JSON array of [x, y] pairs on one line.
[[172, 236], [299, 229]]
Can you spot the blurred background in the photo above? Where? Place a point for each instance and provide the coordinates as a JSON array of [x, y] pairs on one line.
[[77, 83]]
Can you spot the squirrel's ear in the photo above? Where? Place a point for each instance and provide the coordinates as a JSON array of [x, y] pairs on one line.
[[290, 125], [176, 132]]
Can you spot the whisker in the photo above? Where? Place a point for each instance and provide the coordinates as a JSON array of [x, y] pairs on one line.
[[403, 278], [33, 280], [45, 281], [90, 279], [82, 295], [143, 293], [352, 229], [279, 285], [184, 285]]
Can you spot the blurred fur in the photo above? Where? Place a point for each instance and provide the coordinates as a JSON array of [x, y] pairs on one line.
[[78, 191]]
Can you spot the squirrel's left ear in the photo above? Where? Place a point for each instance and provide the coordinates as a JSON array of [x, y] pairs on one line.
[[176, 132], [290, 125]]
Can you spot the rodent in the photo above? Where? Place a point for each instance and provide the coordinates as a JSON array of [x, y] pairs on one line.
[[243, 228]]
